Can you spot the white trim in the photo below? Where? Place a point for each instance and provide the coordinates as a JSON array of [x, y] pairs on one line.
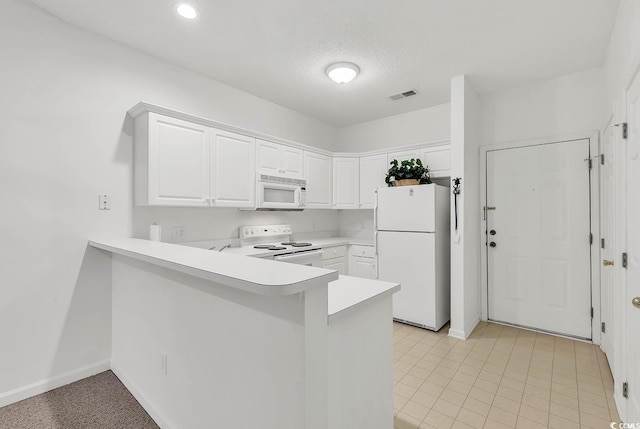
[[593, 137], [144, 107], [48, 384], [433, 143], [153, 412], [463, 335]]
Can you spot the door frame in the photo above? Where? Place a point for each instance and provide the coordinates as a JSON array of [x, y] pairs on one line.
[[607, 312], [594, 196]]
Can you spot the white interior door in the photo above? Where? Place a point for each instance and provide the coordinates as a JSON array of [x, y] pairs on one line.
[[633, 251], [607, 244], [538, 269]]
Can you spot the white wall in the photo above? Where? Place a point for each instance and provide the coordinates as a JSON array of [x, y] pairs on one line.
[[465, 243], [623, 53], [65, 138], [419, 126], [555, 107]]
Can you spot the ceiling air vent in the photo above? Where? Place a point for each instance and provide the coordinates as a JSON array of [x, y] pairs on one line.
[[404, 94]]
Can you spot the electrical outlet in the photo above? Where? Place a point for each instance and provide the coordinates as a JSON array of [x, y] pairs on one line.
[[104, 202], [178, 233]]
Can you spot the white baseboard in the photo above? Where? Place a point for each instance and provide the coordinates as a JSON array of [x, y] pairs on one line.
[[463, 335], [43, 386], [155, 415]]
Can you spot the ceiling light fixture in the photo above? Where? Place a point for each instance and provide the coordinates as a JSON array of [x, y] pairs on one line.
[[187, 11], [342, 72]]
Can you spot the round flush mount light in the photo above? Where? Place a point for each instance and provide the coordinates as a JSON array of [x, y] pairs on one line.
[[187, 11], [342, 72]]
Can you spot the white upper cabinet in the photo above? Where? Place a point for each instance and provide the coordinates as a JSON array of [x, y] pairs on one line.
[[373, 170], [232, 176], [346, 179], [275, 159], [318, 173], [171, 162], [184, 164], [404, 155], [438, 159]]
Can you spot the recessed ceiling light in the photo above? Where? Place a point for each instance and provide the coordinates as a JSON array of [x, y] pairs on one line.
[[342, 72], [187, 11]]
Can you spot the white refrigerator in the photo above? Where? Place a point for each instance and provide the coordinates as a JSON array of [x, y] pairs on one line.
[[412, 246]]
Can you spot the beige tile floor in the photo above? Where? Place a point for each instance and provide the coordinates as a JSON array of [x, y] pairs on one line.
[[501, 377]]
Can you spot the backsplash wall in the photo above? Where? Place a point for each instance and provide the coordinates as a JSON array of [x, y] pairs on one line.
[[223, 223], [357, 224]]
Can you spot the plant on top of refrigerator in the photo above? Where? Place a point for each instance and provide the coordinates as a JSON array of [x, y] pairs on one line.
[[408, 169]]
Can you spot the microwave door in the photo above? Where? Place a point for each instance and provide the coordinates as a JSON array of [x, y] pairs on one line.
[[276, 195]]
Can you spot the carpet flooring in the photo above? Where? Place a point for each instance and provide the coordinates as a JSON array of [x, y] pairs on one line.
[[98, 402]]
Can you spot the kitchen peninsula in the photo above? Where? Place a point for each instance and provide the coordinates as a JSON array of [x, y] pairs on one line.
[[207, 339]]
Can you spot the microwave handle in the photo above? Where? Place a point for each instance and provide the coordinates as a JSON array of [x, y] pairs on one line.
[[298, 196]]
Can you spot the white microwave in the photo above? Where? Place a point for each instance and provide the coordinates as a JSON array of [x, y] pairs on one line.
[[280, 193]]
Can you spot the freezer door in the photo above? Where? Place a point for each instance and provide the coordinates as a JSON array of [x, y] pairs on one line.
[[409, 259], [406, 208]]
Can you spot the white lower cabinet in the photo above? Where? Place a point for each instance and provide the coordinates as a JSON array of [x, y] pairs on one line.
[[362, 262], [335, 258]]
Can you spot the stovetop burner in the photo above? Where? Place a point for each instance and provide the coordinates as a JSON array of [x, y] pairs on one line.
[[300, 244], [288, 243], [276, 248]]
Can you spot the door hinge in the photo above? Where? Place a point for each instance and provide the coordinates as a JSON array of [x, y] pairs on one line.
[[592, 312], [624, 260], [603, 327], [625, 389], [590, 238], [590, 163], [624, 129], [602, 158], [602, 243]]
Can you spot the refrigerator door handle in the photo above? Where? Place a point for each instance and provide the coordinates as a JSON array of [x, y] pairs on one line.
[[375, 252], [375, 212]]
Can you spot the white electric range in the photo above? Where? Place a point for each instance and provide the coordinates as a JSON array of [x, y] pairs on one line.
[[275, 242]]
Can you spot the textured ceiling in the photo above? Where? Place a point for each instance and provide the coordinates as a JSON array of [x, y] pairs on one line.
[[278, 50]]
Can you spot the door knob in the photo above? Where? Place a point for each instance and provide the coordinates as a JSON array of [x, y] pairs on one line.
[[493, 244], [636, 302], [492, 232], [607, 263]]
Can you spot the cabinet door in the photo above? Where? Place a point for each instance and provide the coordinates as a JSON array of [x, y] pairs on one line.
[[346, 183], [178, 163], [404, 155], [292, 162], [318, 173], [339, 265], [438, 159], [373, 170], [268, 158], [362, 267], [233, 182]]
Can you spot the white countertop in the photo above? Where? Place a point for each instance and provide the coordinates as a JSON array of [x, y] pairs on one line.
[[255, 275], [347, 292]]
